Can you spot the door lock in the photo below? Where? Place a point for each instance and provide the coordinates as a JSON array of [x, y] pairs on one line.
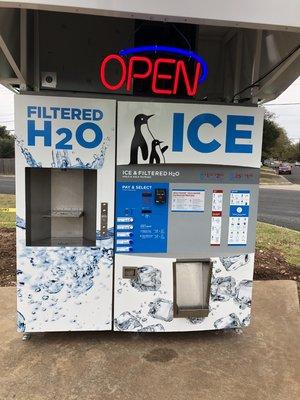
[[103, 222]]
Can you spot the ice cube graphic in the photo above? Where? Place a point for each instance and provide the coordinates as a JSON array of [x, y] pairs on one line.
[[223, 288], [243, 293], [246, 320], [152, 328], [230, 321], [20, 322], [148, 279], [195, 320], [234, 262], [127, 322], [161, 309]]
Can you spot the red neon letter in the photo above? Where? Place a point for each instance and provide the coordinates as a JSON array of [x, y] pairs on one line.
[[190, 91], [132, 75], [102, 72], [156, 75]]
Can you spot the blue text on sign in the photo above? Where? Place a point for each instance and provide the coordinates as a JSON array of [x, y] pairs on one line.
[[194, 133]]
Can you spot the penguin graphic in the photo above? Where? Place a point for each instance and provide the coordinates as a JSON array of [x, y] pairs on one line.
[[138, 140], [157, 153]]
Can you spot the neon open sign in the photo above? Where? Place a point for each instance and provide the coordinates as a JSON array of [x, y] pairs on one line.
[[153, 70]]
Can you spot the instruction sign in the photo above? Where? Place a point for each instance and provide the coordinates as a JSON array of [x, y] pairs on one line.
[[238, 217], [216, 217], [188, 200]]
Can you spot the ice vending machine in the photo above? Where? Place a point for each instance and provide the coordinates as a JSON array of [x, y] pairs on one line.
[[135, 216]]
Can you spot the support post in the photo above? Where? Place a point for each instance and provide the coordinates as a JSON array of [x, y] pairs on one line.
[[23, 47], [238, 65], [256, 65]]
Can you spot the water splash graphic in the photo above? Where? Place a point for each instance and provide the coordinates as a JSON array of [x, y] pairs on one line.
[[20, 222], [109, 234], [27, 155], [61, 158], [58, 275], [21, 326]]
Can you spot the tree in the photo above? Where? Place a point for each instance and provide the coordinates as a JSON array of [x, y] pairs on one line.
[[7, 143], [271, 132], [4, 133], [276, 143], [282, 148], [295, 153]]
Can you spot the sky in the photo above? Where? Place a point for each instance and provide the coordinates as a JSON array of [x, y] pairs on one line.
[[287, 114]]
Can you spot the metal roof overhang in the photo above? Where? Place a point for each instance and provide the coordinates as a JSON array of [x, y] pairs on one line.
[[276, 60], [256, 14]]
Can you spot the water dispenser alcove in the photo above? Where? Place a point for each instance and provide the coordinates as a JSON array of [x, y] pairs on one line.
[[60, 207], [192, 281]]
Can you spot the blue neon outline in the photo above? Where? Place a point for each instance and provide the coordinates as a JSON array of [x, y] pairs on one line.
[[168, 49]]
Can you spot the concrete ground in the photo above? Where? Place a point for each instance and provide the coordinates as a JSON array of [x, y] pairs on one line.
[[262, 363]]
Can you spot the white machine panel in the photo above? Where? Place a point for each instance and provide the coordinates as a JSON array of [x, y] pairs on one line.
[[65, 157], [169, 133]]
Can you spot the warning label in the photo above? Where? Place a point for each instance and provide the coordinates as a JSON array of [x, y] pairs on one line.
[[188, 200]]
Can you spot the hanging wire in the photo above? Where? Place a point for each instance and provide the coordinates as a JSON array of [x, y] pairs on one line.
[[139, 27], [255, 84], [183, 36]]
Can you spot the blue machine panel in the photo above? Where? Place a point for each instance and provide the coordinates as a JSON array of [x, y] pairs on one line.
[[239, 211], [141, 217]]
